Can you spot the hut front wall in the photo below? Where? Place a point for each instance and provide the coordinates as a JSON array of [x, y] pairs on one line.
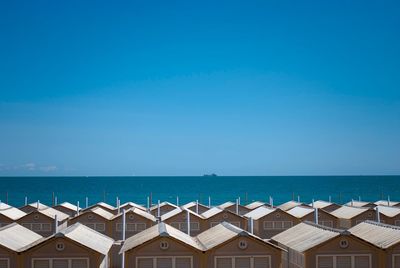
[[5, 220], [324, 219], [50, 252], [228, 217], [134, 224], [8, 258], [38, 223], [343, 250], [179, 222], [93, 221], [151, 255], [243, 251], [273, 224]]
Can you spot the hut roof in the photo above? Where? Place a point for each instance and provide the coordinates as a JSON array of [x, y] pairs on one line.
[[193, 204], [360, 204], [12, 213], [35, 205], [4, 206], [102, 213], [51, 212], [16, 237], [160, 230], [255, 204], [386, 203], [69, 206], [321, 204], [165, 203], [300, 211], [305, 236], [388, 211], [381, 235], [227, 205], [347, 212], [139, 212], [178, 210], [223, 232], [288, 205], [104, 205], [259, 212], [87, 237], [132, 204]]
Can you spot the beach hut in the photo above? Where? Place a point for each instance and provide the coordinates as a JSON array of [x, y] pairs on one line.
[[327, 206], [216, 215], [96, 218], [290, 204], [268, 222], [196, 207], [77, 246], [129, 205], [67, 208], [256, 204], [13, 239], [162, 208], [163, 246], [33, 206], [360, 204], [310, 245], [350, 216], [103, 206], [384, 237], [389, 215], [136, 220], [234, 208], [228, 246], [43, 221], [9, 215], [4, 206], [308, 214], [178, 218]]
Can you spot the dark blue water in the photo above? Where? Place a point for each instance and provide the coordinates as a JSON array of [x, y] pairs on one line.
[[221, 189]]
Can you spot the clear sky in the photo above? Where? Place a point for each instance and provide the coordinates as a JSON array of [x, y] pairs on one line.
[[194, 87]]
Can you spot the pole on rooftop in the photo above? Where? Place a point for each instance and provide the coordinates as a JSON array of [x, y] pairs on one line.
[[316, 215], [209, 201], [177, 201], [188, 221], [55, 224], [123, 236], [87, 202], [26, 200], [197, 206], [77, 208], [37, 205], [378, 217], [55, 200]]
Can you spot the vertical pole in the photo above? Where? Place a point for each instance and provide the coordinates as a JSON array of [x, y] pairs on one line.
[[209, 201], [359, 198], [158, 209], [298, 199], [151, 199], [316, 215], [77, 208], [352, 202], [388, 200], [238, 200], [378, 217], [55, 224], [330, 199], [177, 201], [251, 225], [87, 202], [116, 202], [148, 204], [197, 206], [272, 202], [237, 206], [188, 221], [37, 205], [26, 200], [123, 236], [119, 205], [313, 203], [55, 201]]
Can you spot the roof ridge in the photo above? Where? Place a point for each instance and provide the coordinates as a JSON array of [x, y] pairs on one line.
[[326, 228], [382, 224]]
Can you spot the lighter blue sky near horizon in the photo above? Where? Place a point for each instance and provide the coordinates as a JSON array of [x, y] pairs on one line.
[[187, 88]]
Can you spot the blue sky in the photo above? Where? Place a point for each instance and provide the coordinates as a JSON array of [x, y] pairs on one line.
[[187, 88]]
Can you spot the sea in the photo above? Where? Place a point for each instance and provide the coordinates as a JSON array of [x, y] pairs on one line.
[[219, 189]]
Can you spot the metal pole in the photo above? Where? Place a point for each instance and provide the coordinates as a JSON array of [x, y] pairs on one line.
[[209, 202], [55, 224], [77, 208], [316, 215], [378, 217], [26, 200], [87, 202], [197, 206], [177, 201], [123, 236], [188, 221]]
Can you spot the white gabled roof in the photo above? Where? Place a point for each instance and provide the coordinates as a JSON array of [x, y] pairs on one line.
[[300, 211], [360, 204], [139, 212], [4, 206], [379, 234], [88, 237], [69, 206], [259, 212], [176, 211], [388, 211], [104, 205], [346, 212], [165, 203], [35, 205], [12, 213], [211, 212], [16, 237], [102, 213], [51, 212], [305, 236], [288, 205], [131, 204], [160, 230], [227, 205], [193, 204], [386, 203], [255, 204], [321, 204]]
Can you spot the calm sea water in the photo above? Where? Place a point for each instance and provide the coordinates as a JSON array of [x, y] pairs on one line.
[[72, 189]]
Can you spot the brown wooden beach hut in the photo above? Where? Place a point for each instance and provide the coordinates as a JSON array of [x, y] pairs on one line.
[[234, 208], [136, 220], [228, 246], [308, 214], [196, 207], [325, 205], [9, 215], [13, 239], [163, 246], [43, 221], [350, 216], [68, 208], [96, 218], [256, 204], [178, 218], [77, 246], [310, 245], [389, 215], [216, 215], [290, 204], [268, 222], [33, 206]]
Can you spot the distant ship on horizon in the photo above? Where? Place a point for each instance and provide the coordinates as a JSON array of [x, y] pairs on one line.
[[210, 175]]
